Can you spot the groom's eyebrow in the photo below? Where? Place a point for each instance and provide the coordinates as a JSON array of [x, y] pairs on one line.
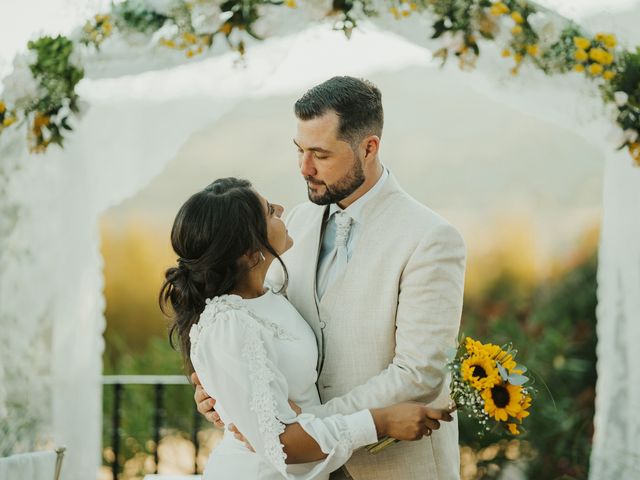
[[313, 149]]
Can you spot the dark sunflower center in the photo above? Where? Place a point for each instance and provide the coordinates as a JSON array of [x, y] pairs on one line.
[[479, 372], [500, 396]]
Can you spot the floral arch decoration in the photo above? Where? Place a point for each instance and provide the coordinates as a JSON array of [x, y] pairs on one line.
[[40, 98]]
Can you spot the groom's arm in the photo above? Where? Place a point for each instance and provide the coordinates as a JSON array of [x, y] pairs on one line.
[[427, 323]]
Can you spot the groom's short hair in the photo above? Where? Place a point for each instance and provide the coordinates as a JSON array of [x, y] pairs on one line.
[[357, 102]]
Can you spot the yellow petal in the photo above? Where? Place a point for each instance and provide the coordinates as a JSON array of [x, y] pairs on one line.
[[581, 55], [610, 41], [517, 17], [595, 69], [581, 42]]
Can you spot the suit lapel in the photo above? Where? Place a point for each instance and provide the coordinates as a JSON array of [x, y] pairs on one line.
[[302, 266]]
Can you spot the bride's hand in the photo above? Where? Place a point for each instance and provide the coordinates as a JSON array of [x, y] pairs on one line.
[[294, 406], [409, 420], [204, 403], [240, 437]]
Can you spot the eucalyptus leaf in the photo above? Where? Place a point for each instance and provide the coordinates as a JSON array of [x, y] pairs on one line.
[[517, 379], [503, 372]]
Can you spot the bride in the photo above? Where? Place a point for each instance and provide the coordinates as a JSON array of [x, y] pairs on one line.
[[251, 349]]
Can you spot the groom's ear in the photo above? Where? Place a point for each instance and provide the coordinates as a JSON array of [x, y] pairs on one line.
[[371, 145]]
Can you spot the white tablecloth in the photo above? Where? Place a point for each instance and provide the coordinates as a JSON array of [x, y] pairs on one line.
[[28, 466]]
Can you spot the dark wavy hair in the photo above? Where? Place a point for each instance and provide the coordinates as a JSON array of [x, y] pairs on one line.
[[357, 102], [212, 230]]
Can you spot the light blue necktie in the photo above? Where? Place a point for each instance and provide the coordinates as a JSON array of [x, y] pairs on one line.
[[336, 261]]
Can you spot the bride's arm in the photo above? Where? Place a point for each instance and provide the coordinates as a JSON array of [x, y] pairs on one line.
[[236, 361], [403, 421]]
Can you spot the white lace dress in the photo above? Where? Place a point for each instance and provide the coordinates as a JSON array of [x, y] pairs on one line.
[[252, 356]]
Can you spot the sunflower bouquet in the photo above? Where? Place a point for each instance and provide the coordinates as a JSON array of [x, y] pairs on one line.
[[489, 386]]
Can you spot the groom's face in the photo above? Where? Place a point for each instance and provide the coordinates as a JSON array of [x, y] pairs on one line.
[[329, 165]]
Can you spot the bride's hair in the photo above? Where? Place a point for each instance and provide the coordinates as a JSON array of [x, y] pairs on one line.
[[212, 230]]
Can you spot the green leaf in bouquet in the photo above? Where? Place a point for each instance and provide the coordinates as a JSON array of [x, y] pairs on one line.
[[517, 379], [521, 368], [503, 372]]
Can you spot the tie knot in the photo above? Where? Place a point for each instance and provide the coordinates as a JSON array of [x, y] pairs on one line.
[[343, 224]]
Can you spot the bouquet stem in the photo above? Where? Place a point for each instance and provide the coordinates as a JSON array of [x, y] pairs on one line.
[[381, 445]]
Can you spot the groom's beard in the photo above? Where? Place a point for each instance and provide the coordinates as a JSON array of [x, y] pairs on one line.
[[340, 190]]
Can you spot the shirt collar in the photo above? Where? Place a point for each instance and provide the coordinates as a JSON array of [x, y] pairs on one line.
[[355, 209]]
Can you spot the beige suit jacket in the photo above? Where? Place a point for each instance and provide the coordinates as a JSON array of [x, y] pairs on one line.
[[384, 326]]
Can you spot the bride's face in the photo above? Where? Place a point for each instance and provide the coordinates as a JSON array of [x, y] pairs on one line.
[[277, 233]]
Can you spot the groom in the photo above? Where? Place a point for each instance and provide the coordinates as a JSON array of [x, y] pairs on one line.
[[378, 276]]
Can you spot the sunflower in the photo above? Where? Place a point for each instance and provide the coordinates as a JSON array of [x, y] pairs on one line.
[[475, 347], [503, 400], [513, 428], [493, 351], [505, 359], [480, 371], [524, 403]]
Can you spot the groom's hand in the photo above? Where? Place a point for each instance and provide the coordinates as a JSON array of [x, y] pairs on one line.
[[204, 403], [409, 420]]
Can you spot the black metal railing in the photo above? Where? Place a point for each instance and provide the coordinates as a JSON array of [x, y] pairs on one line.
[[158, 382]]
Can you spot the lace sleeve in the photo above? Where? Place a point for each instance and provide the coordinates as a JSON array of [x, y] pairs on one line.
[[232, 350]]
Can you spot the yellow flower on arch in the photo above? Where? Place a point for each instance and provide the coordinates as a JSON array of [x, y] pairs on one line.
[[581, 55], [609, 40], [498, 9], [480, 371], [503, 401], [581, 42], [517, 17], [595, 69]]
